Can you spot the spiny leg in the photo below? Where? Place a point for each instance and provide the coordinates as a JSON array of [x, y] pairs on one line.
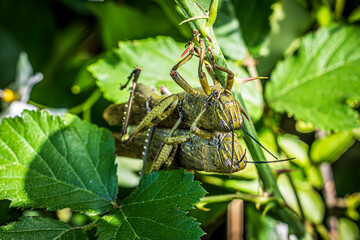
[[135, 73], [180, 80], [148, 145], [211, 72], [166, 150], [202, 77], [197, 131], [230, 75]]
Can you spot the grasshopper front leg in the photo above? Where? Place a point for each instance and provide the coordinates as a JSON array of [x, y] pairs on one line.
[[157, 114], [202, 77], [167, 152]]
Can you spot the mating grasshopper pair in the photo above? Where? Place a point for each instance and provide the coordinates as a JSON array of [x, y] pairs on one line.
[[209, 112], [211, 155], [203, 110]]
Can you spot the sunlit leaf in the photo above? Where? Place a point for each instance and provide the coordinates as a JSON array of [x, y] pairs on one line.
[[228, 33], [252, 96], [156, 56], [314, 84], [259, 226], [330, 148], [348, 229], [294, 147], [40, 228], [47, 162], [314, 176], [311, 202], [155, 210]]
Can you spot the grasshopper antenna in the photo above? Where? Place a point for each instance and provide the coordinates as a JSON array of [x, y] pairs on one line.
[[135, 74], [259, 143], [275, 161]]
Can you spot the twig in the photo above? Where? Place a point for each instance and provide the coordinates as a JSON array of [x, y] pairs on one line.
[[235, 220], [330, 197], [329, 192]]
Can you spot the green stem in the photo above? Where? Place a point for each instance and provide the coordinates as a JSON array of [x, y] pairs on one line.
[[339, 8], [190, 9], [38, 105], [94, 97], [296, 196], [88, 227], [212, 13], [229, 197]]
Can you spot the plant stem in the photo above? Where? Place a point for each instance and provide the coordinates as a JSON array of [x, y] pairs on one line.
[[229, 197], [296, 196], [88, 226], [87, 104], [190, 9], [339, 8]]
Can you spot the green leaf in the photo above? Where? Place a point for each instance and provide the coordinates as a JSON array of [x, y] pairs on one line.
[[330, 148], [155, 209], [310, 200], [314, 84], [254, 21], [227, 31], [155, 55], [260, 226], [47, 162], [213, 216], [355, 15], [40, 228], [289, 20], [294, 147], [314, 176], [348, 229], [253, 98], [128, 171], [123, 22]]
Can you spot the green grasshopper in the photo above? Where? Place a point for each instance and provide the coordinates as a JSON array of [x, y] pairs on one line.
[[195, 153], [210, 155], [222, 153], [205, 110]]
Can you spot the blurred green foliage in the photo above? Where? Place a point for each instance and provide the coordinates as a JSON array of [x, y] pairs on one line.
[[310, 109]]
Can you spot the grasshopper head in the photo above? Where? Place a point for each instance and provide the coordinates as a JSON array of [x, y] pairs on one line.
[[225, 150], [228, 111]]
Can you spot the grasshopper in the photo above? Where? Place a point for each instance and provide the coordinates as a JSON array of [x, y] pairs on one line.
[[205, 110], [191, 151], [210, 155], [222, 153]]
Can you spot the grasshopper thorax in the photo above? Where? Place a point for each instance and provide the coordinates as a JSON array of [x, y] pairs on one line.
[[227, 111]]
